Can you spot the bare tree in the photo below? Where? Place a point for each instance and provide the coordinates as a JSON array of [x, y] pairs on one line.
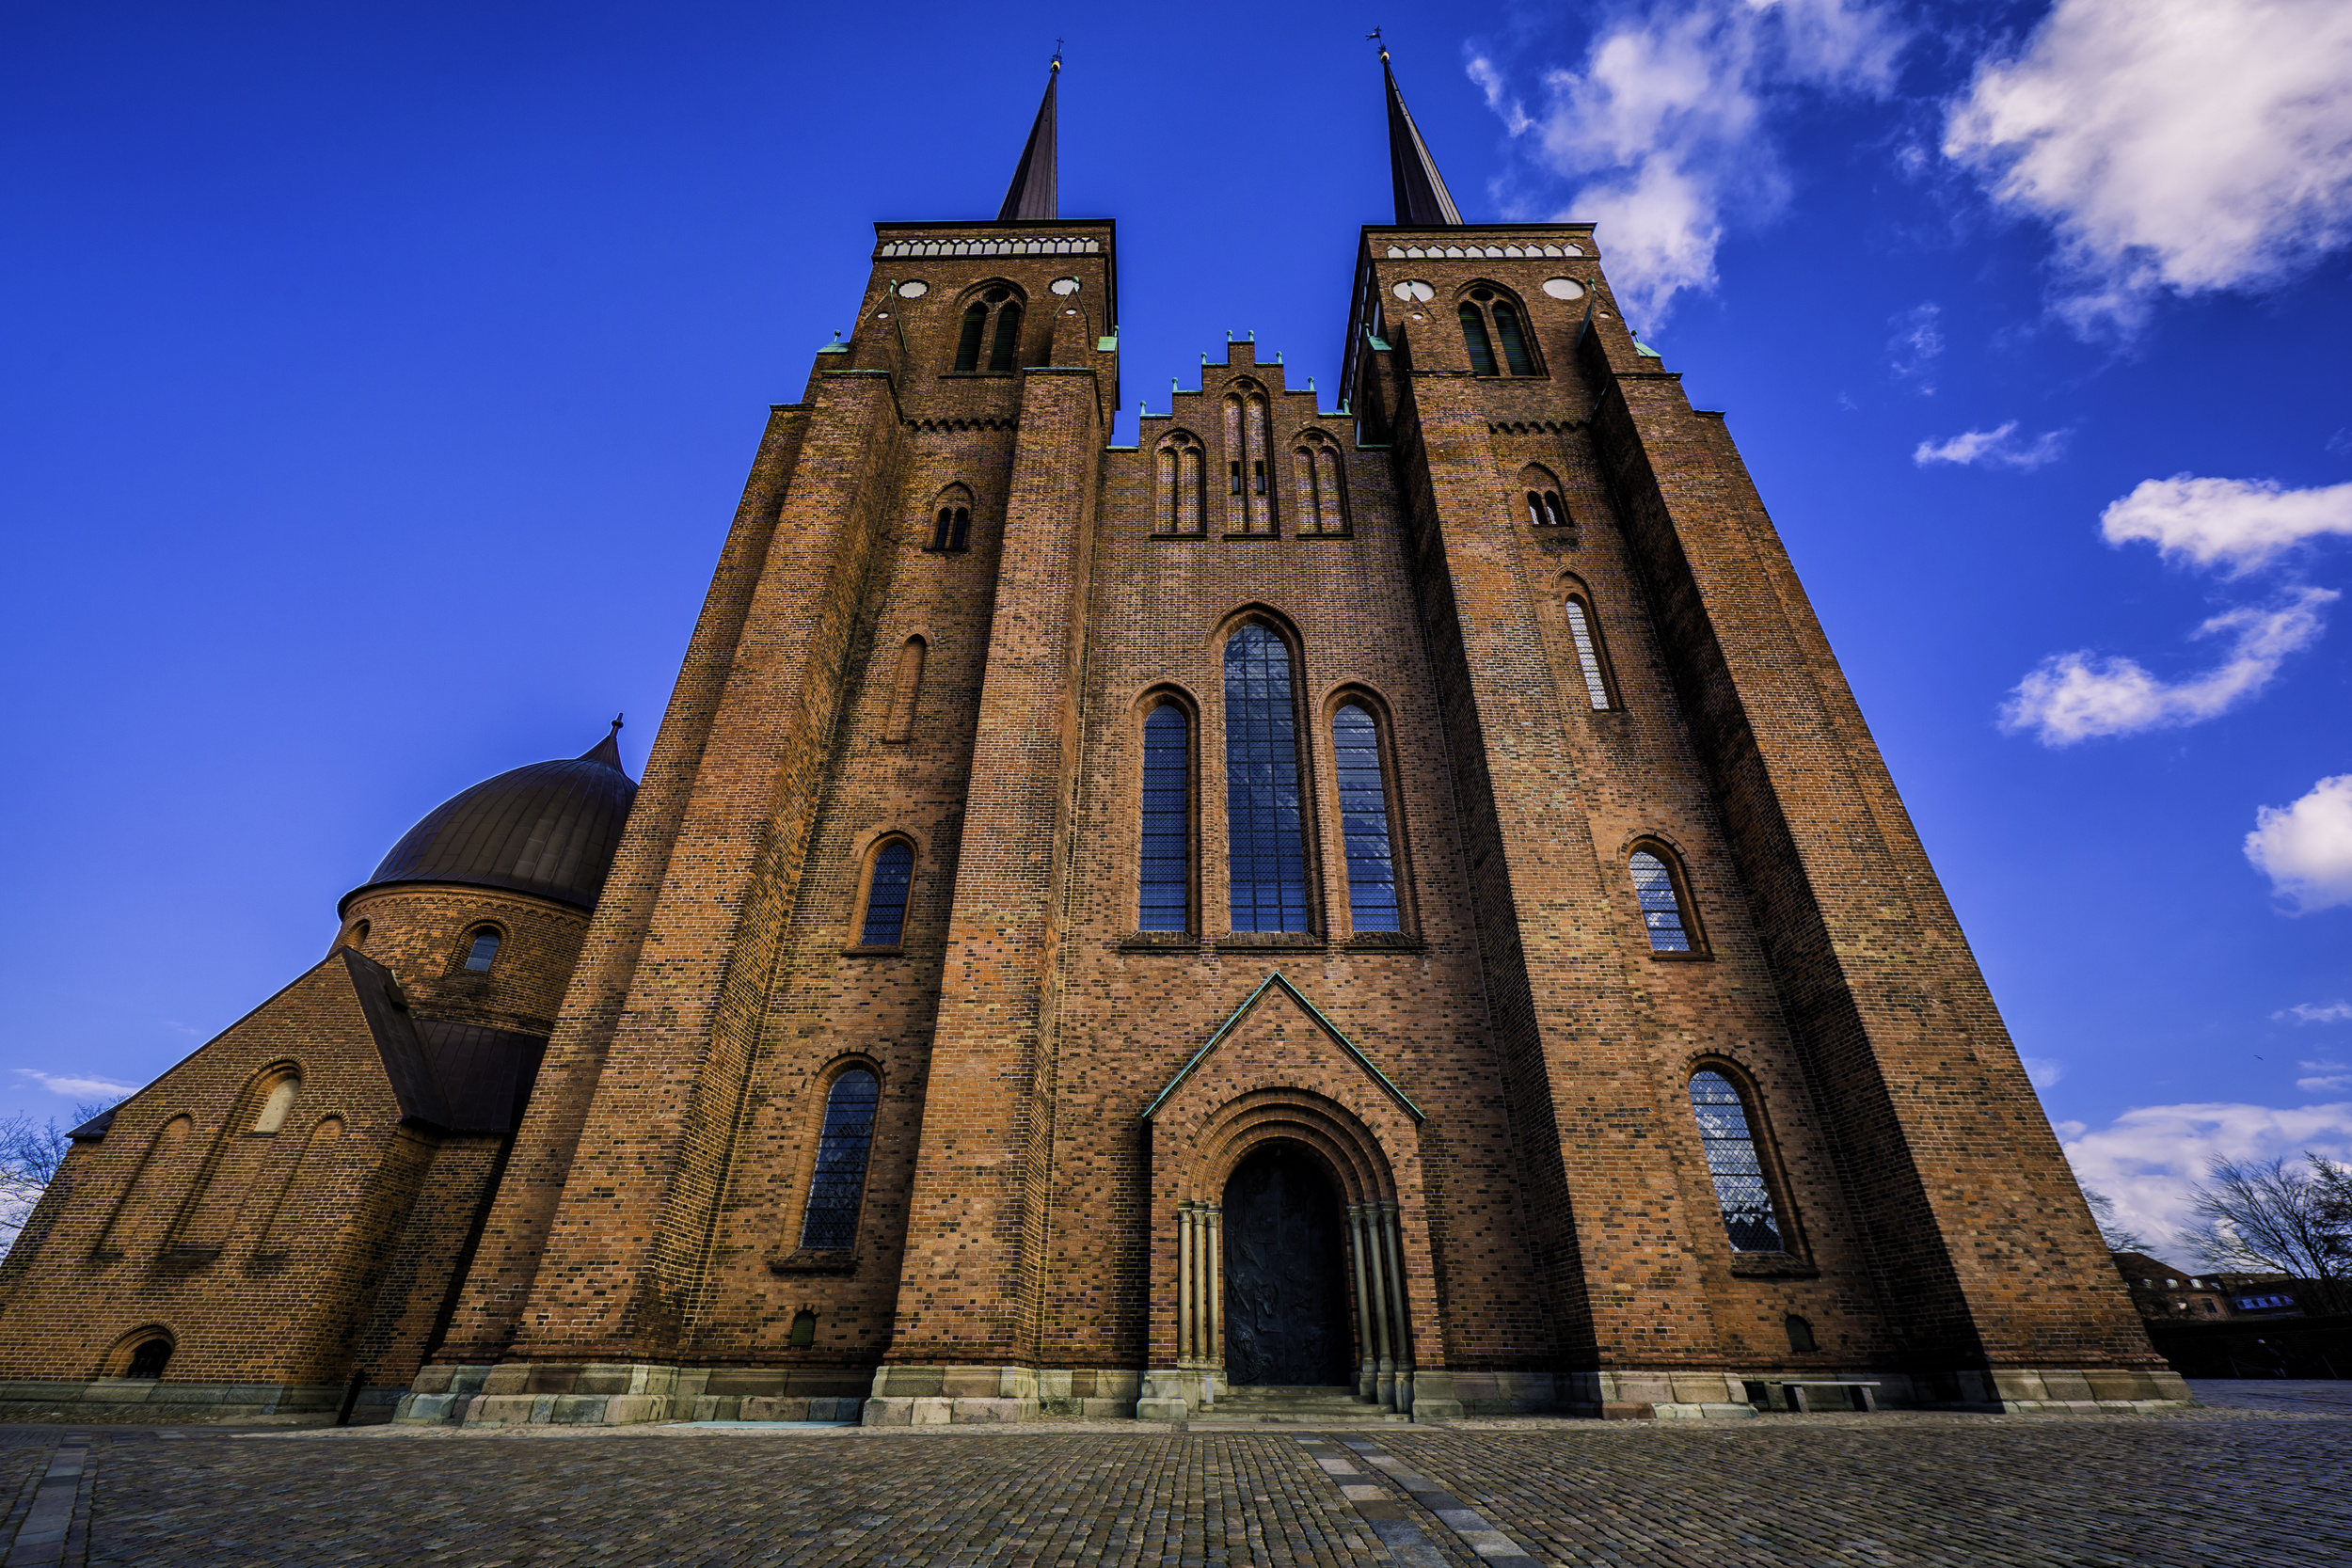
[[2267, 1217], [30, 1153], [2118, 1236]]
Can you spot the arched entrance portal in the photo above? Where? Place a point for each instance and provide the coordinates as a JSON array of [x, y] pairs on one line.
[[1285, 1272]]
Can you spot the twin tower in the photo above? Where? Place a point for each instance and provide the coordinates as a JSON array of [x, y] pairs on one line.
[[1389, 904]]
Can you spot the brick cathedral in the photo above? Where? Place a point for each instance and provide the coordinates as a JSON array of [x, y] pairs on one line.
[[1390, 905]]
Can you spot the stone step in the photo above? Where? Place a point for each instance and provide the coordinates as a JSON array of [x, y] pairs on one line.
[[1307, 1404]]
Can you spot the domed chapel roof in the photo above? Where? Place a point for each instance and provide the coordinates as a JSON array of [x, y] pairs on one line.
[[548, 830]]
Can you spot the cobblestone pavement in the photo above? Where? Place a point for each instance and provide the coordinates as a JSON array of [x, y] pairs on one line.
[[2218, 1484]]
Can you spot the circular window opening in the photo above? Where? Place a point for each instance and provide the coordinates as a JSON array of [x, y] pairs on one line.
[[1065, 286], [1414, 290], [1564, 288], [998, 296], [915, 289], [1482, 295]]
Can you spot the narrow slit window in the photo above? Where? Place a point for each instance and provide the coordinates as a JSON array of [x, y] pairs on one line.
[[947, 527], [485, 951], [906, 690], [1514, 339], [839, 1180], [1731, 1161], [1555, 514], [1166, 883], [1371, 902], [886, 895], [968, 345], [1482, 351], [960, 534], [1535, 510], [1008, 344], [1266, 841], [1663, 914], [1235, 466], [1588, 658], [1259, 474]]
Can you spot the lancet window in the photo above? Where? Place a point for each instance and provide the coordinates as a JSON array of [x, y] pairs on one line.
[[838, 1183], [991, 325], [1492, 322], [1165, 897], [483, 951], [887, 891], [1266, 826], [1249, 501], [1665, 909], [1726, 1132], [906, 690], [1372, 896]]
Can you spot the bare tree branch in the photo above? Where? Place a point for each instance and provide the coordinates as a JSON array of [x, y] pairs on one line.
[[2118, 1236], [2264, 1217]]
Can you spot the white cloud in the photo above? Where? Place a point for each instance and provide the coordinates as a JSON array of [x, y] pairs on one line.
[[2332, 1077], [2072, 697], [2306, 848], [2043, 1072], [76, 1087], [1664, 126], [2241, 524], [2305, 1012], [2148, 1158], [1918, 342], [1995, 446], [2183, 145]]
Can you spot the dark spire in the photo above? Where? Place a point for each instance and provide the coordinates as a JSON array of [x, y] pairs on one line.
[[608, 751], [1034, 192], [1422, 200]]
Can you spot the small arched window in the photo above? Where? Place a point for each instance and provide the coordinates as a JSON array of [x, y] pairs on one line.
[[277, 1104], [968, 343], [803, 1329], [1544, 508], [1741, 1190], [1371, 901], [149, 1358], [1007, 347], [1249, 508], [838, 1183], [1800, 1334], [1585, 634], [483, 951], [1165, 896], [886, 895], [1664, 915], [953, 530], [1490, 317], [358, 934]]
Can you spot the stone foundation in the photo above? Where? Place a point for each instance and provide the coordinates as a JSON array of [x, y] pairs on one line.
[[960, 1394], [149, 1401], [616, 1393]]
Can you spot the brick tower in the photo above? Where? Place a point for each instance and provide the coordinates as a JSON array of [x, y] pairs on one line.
[[1390, 905]]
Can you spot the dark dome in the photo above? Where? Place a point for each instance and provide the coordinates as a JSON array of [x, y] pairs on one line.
[[550, 830]]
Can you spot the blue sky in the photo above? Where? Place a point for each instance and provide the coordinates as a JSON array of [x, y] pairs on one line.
[[378, 382]]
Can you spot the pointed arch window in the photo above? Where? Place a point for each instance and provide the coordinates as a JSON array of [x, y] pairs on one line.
[[952, 530], [1372, 896], [1666, 915], [1726, 1132], [1165, 897], [1584, 633], [991, 322], [1315, 474], [1249, 506], [1491, 317], [887, 891], [906, 690], [1266, 826], [837, 1186]]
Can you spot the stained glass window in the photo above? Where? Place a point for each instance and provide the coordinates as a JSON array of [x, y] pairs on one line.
[[1739, 1188], [1266, 842], [1589, 660], [1364, 820], [1662, 910], [839, 1181], [1166, 822], [886, 897]]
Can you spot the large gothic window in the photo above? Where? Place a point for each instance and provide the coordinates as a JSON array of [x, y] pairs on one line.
[[1266, 831], [1731, 1161], [1165, 894], [839, 1181], [1491, 317], [1371, 902], [1001, 335]]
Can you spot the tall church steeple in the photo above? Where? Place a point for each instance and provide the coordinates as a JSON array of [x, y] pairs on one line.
[[1421, 199], [1034, 192]]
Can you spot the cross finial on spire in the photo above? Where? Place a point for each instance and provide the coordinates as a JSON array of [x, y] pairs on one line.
[[1034, 193]]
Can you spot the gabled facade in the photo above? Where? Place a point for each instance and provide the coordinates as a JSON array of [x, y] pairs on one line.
[[1393, 896]]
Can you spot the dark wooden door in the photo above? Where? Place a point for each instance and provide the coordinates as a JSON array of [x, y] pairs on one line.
[[1285, 1280]]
